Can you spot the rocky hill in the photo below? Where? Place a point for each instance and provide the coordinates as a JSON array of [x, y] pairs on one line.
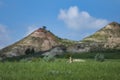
[[42, 40], [39, 40], [109, 36]]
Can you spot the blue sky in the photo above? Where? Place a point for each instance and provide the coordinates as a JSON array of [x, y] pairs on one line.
[[71, 19]]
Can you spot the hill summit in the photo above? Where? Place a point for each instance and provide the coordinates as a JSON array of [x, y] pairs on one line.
[[40, 40], [108, 35]]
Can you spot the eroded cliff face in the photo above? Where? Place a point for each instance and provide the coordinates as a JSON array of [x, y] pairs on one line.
[[109, 36], [39, 40], [43, 40]]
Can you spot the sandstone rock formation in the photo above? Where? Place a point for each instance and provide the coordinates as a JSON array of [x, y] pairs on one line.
[[39, 40]]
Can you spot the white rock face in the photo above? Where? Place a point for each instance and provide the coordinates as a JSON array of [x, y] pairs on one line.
[[46, 45], [54, 51], [39, 34], [108, 27]]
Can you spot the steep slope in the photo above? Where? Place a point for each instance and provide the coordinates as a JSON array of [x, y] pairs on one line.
[[43, 40], [39, 40], [109, 35]]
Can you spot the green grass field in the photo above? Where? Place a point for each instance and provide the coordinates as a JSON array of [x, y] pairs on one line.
[[60, 69]]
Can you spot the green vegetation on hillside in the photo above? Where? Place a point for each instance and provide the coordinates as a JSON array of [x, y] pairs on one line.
[[67, 42], [91, 55]]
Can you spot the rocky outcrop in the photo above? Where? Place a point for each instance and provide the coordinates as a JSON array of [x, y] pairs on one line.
[[39, 40], [58, 50], [42, 40], [109, 36], [78, 48]]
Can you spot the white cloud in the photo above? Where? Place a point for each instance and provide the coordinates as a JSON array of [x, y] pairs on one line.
[[76, 19], [4, 38], [30, 29]]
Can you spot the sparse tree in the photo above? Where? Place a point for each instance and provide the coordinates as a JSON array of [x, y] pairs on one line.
[[27, 52], [99, 57], [44, 27], [32, 51], [49, 58]]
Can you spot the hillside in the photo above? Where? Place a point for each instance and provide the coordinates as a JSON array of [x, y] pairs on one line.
[[108, 35], [42, 40], [39, 40]]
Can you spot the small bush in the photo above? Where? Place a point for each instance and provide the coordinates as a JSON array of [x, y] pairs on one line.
[[35, 59], [99, 57], [67, 55], [49, 58], [29, 51]]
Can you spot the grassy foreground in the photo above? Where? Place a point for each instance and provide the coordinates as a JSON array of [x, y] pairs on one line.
[[60, 70]]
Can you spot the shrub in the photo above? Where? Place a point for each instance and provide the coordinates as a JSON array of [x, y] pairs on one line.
[[49, 58], [29, 51], [99, 57], [35, 59], [67, 55]]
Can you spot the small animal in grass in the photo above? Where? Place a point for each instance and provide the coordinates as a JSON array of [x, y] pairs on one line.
[[71, 60]]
